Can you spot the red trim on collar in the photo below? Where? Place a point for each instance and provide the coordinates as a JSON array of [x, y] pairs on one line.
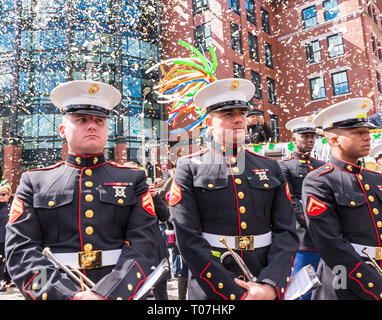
[[98, 165]]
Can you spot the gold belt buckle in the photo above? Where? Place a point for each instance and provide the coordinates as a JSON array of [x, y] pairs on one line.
[[245, 242], [378, 253], [90, 259]]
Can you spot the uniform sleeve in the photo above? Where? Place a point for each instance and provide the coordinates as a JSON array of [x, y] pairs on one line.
[[284, 240], [35, 276], [210, 274], [296, 203], [325, 229], [138, 252]]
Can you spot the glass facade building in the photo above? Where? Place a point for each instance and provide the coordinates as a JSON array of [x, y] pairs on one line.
[[47, 42]]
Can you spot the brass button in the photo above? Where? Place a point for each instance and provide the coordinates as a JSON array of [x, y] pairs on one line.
[[139, 275], [266, 185], [242, 209], [232, 297], [359, 275], [349, 167], [89, 214], [282, 290], [371, 198], [243, 225], [352, 203], [34, 286], [209, 275], [379, 224], [130, 287], [360, 177], [233, 160], [238, 181], [370, 285], [95, 160], [235, 169], [44, 296], [220, 285], [89, 184], [119, 298], [222, 148], [78, 160], [120, 201], [375, 211], [88, 172], [210, 185], [240, 195], [89, 231], [367, 187], [51, 203], [89, 198], [88, 247]]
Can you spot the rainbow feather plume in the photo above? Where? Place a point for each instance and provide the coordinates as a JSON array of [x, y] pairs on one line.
[[179, 84]]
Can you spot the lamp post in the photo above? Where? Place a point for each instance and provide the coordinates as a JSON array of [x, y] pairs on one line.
[[146, 91]]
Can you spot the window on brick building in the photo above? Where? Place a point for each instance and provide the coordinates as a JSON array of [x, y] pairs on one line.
[[373, 44], [274, 122], [234, 5], [251, 13], [340, 83], [256, 79], [313, 51], [200, 5], [330, 9], [317, 88], [253, 46], [268, 55], [309, 16], [203, 39], [271, 88], [335, 46], [236, 38], [265, 26], [379, 81], [238, 71]]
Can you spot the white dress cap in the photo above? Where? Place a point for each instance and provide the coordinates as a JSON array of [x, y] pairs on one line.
[[301, 124], [225, 94], [351, 113], [376, 151], [85, 97]]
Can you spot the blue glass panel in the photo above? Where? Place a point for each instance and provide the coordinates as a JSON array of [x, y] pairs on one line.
[[331, 9]]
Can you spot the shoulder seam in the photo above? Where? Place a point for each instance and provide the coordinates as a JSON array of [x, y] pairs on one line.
[[47, 168]]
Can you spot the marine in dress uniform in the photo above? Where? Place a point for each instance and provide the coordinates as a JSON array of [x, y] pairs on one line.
[[343, 207], [226, 190], [295, 169], [94, 214]]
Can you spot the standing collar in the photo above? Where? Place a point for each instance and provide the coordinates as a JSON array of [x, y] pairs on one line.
[[303, 156], [227, 150], [346, 166], [87, 161]]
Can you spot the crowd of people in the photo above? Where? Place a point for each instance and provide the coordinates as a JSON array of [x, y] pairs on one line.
[[234, 224]]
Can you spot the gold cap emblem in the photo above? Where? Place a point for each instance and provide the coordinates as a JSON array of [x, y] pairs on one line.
[[235, 84], [94, 88]]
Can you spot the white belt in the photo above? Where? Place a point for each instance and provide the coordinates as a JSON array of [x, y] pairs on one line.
[[374, 252], [109, 258], [239, 242]]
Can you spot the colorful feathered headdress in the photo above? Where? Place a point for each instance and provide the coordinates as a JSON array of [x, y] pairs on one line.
[[178, 86]]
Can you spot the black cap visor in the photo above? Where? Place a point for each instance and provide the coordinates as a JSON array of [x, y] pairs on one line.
[[87, 110]]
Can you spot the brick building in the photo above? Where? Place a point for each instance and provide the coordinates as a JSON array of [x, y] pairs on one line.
[[301, 55]]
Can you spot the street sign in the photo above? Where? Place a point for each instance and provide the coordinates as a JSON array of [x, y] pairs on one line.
[[153, 156]]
